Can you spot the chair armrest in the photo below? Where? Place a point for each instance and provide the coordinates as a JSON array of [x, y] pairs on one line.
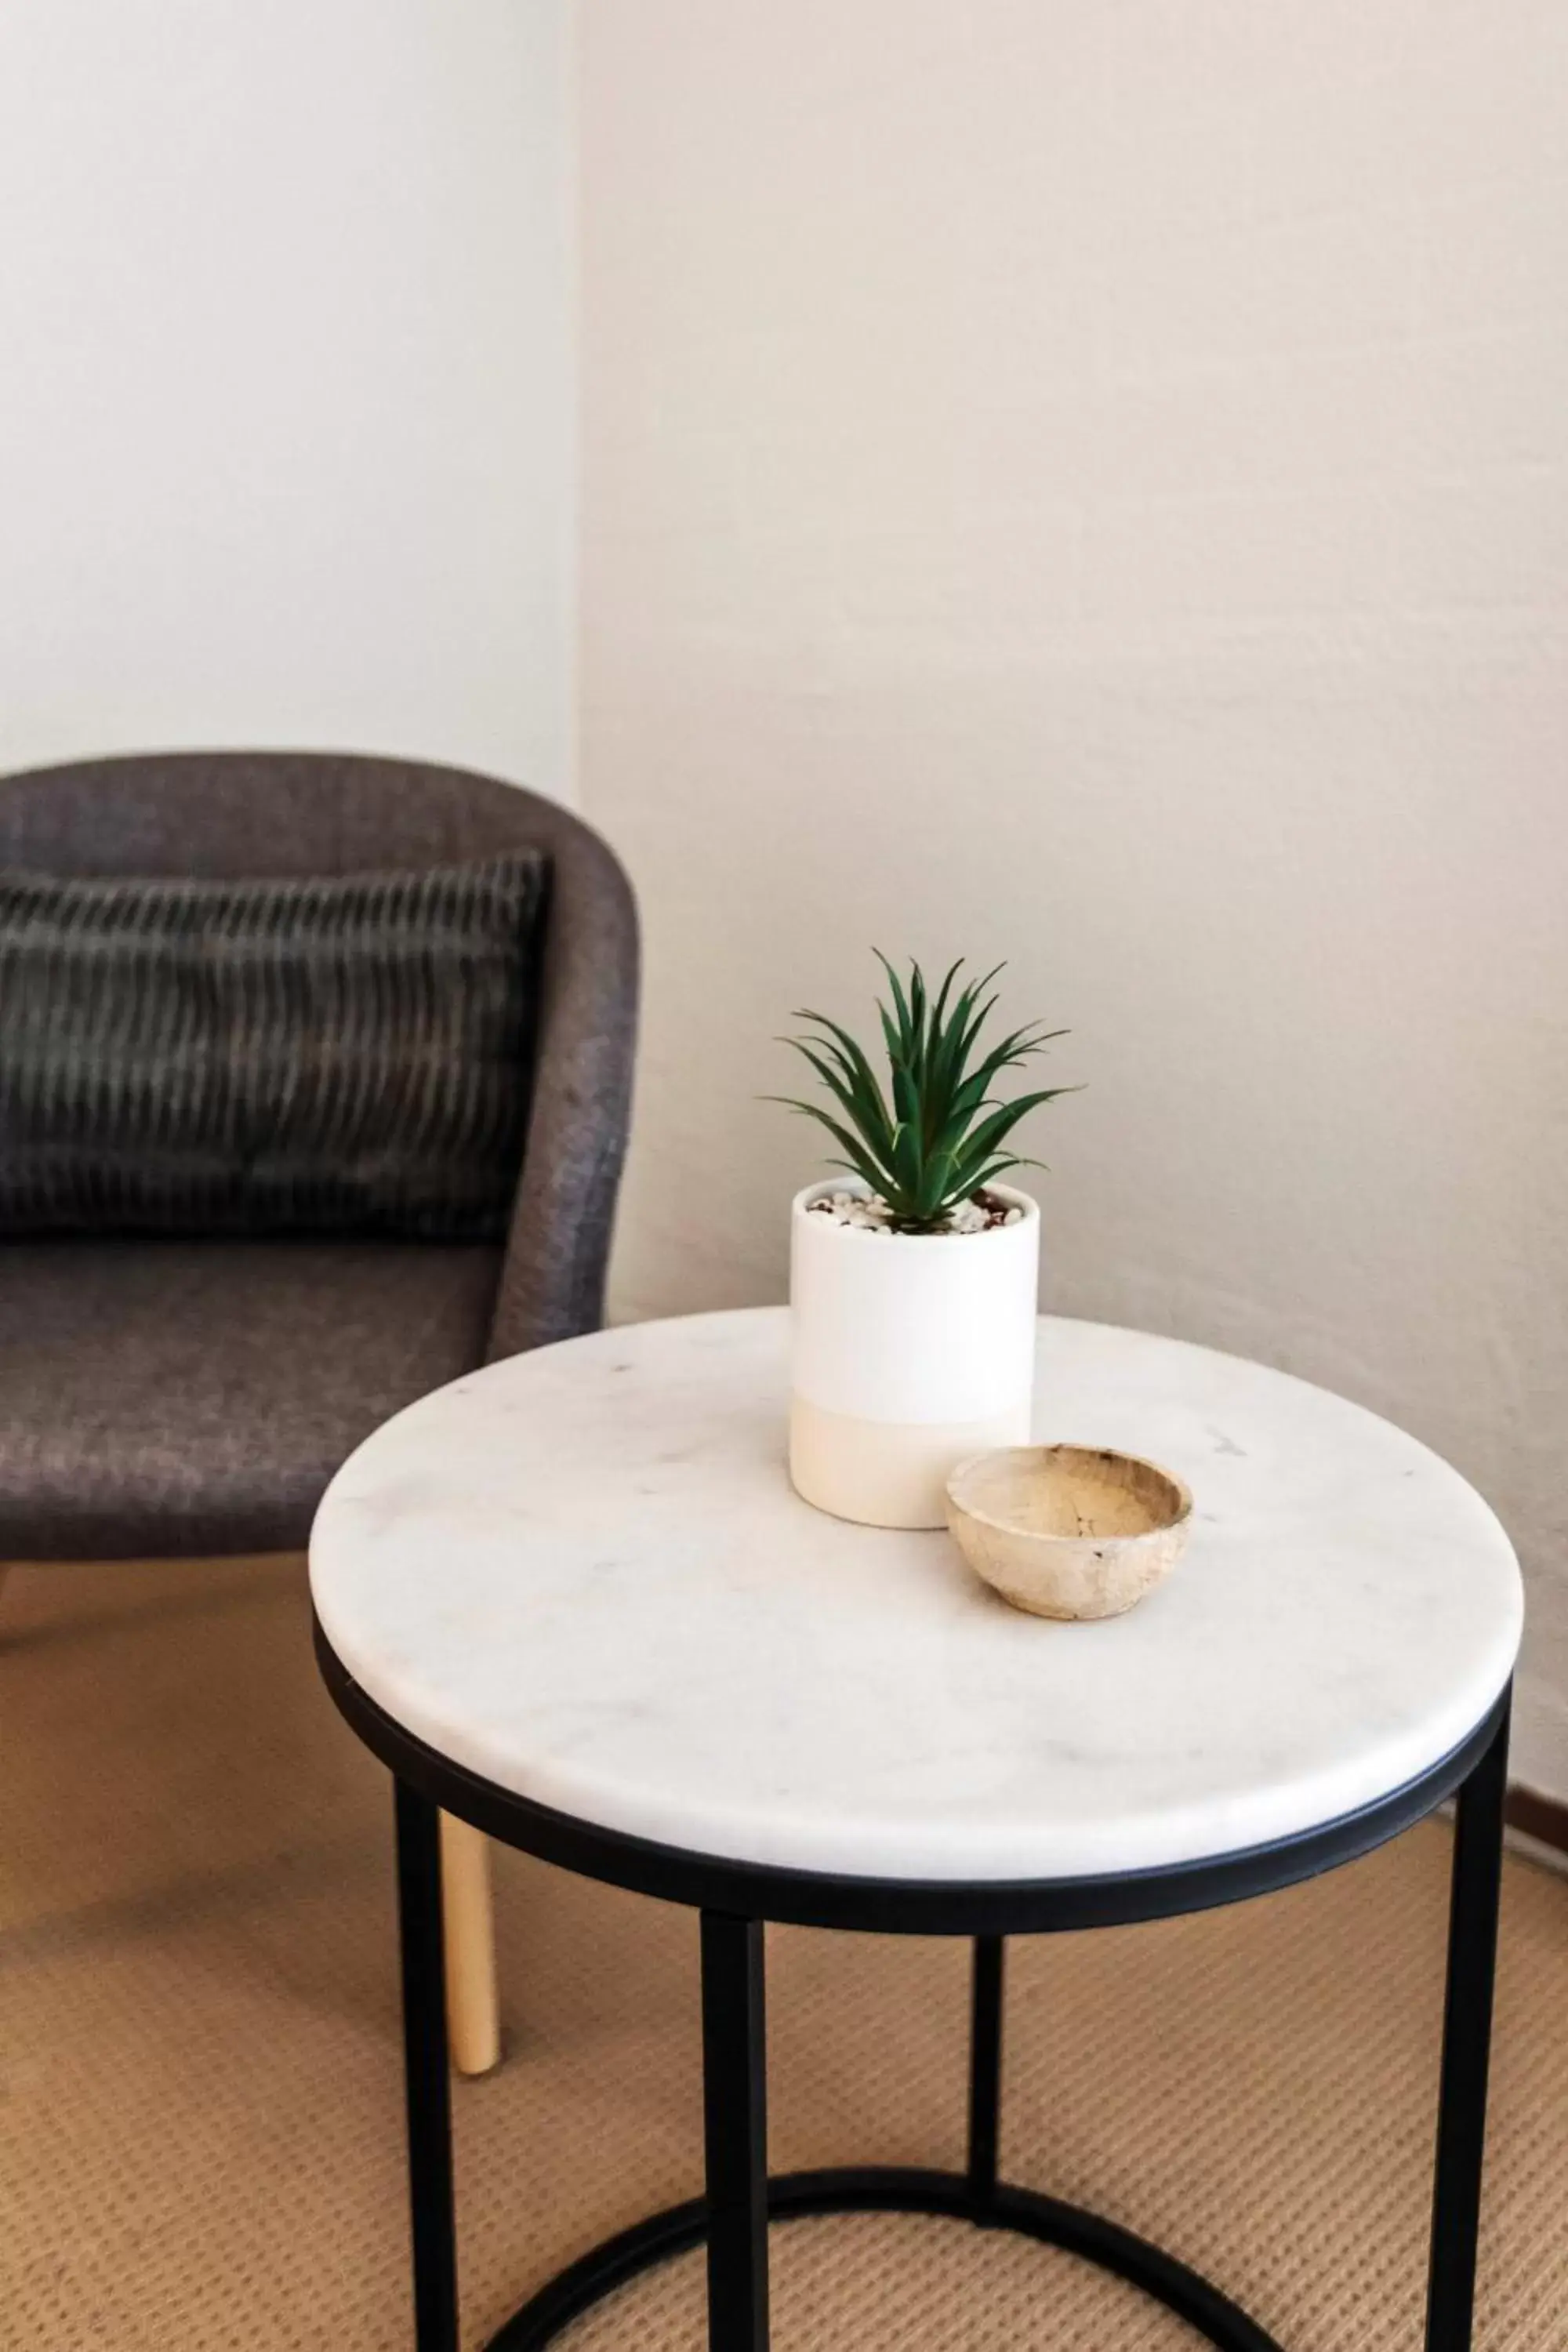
[[553, 1273]]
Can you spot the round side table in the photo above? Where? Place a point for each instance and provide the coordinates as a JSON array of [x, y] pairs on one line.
[[574, 1600]]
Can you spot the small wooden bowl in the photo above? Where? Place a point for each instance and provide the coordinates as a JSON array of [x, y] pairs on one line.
[[1068, 1530]]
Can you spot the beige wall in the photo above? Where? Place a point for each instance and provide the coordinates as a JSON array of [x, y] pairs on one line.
[[286, 387], [1087, 481]]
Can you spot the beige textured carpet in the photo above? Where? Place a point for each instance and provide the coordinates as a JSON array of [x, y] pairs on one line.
[[199, 2119]]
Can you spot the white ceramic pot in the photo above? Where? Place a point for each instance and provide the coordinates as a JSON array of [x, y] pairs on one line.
[[909, 1353]]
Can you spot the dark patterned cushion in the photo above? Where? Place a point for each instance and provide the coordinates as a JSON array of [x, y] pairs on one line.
[[337, 1056]]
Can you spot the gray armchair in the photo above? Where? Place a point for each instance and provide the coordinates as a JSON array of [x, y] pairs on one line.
[[160, 1398]]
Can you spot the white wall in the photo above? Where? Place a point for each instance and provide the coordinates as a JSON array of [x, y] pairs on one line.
[[1089, 483], [285, 432]]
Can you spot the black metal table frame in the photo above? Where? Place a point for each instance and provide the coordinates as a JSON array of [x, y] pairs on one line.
[[735, 1899]]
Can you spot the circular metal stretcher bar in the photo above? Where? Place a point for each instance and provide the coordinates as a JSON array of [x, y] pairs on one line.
[[872, 2188]]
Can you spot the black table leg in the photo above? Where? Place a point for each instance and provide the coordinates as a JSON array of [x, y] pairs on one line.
[[1466, 2047], [735, 2114], [427, 2086], [985, 2066]]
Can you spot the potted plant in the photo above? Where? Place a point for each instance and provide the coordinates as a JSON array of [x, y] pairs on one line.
[[914, 1280]]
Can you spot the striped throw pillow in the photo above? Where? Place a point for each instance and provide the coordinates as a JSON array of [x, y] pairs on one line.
[[341, 1056]]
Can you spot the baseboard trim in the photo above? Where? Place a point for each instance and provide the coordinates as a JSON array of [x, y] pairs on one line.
[[1544, 1819]]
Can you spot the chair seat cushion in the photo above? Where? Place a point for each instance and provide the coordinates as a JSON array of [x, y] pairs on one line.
[[162, 1398], [195, 1057]]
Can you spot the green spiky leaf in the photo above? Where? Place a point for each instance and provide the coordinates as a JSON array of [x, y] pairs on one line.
[[935, 1134]]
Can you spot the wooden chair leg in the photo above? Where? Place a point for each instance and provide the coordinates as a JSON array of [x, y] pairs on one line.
[[473, 2016]]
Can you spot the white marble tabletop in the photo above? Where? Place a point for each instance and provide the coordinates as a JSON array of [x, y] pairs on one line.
[[583, 1574]]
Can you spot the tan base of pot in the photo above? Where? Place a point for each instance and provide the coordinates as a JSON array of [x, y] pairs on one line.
[[885, 1474]]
